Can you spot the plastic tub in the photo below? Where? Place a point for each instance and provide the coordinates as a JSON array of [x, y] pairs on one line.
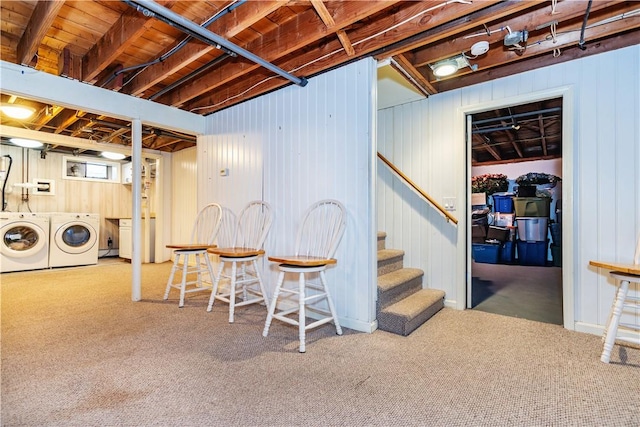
[[532, 253], [503, 203], [532, 229], [532, 206]]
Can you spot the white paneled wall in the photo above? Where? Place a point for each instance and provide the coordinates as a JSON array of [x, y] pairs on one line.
[[426, 140], [184, 201], [292, 148]]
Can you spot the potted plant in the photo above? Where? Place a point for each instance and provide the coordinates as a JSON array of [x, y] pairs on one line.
[[528, 183], [489, 183]]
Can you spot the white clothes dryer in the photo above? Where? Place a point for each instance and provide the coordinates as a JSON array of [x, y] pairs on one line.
[[74, 239], [25, 241]]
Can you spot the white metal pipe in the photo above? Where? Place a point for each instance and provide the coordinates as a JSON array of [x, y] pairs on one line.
[[136, 211]]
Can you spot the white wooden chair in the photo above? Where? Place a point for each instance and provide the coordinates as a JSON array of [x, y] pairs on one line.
[[318, 237], [624, 274], [203, 235], [252, 228]]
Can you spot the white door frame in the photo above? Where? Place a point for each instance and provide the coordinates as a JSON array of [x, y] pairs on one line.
[[568, 241]]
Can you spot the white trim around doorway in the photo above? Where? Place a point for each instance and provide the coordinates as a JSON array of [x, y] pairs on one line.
[[568, 240]]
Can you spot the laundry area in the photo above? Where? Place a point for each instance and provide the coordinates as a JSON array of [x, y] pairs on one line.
[[60, 208]]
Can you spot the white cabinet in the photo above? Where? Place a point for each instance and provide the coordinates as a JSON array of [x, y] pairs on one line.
[[127, 173], [126, 238]]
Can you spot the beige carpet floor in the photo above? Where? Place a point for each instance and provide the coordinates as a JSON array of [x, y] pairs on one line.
[[77, 352]]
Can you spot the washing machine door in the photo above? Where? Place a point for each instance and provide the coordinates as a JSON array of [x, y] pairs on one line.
[[22, 239], [75, 237]]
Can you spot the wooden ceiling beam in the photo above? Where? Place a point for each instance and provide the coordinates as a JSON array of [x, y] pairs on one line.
[[568, 53], [294, 35], [433, 52], [485, 11], [485, 145], [41, 19], [326, 17], [45, 118], [68, 117], [404, 66], [541, 44], [542, 134], [368, 39], [127, 29], [509, 135], [227, 26]]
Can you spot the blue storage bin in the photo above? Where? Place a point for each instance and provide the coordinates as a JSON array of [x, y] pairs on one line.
[[486, 253], [532, 253], [508, 252], [503, 203]]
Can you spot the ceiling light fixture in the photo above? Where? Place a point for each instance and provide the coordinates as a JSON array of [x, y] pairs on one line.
[[26, 143], [113, 156], [450, 66], [17, 111], [445, 68]]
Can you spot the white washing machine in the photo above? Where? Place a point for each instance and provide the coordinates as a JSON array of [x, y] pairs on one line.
[[74, 239], [25, 241]]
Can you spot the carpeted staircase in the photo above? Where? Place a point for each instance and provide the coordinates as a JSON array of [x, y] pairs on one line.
[[403, 305]]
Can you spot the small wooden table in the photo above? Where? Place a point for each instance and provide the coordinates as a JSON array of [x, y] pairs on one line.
[[624, 275]]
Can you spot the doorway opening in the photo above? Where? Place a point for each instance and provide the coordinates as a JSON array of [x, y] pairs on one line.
[[516, 171]]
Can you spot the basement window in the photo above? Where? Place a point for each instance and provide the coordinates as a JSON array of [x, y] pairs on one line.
[[89, 169]]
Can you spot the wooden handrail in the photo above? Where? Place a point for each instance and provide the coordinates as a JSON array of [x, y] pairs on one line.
[[415, 187]]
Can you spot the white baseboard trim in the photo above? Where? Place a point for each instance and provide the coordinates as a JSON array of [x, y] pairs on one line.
[[355, 324], [451, 304], [590, 328]]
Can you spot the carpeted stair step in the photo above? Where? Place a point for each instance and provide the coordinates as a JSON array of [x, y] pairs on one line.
[[399, 284], [389, 260], [382, 236], [408, 314]]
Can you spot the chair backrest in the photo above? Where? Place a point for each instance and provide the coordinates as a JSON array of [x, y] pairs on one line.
[[227, 230], [321, 229], [254, 223], [207, 223]]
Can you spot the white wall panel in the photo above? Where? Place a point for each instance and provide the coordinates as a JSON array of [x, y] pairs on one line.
[[426, 141], [183, 195], [294, 147]]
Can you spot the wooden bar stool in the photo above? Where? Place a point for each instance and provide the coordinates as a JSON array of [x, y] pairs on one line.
[[624, 274], [253, 225], [203, 235], [318, 237]]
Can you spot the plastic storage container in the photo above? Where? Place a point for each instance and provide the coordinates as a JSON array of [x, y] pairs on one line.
[[532, 253], [556, 255], [532, 206], [486, 253], [508, 252], [532, 229], [503, 203], [527, 190], [556, 233], [500, 234]]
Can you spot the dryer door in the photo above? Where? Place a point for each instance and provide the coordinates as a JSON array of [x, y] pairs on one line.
[[22, 239], [75, 237]]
